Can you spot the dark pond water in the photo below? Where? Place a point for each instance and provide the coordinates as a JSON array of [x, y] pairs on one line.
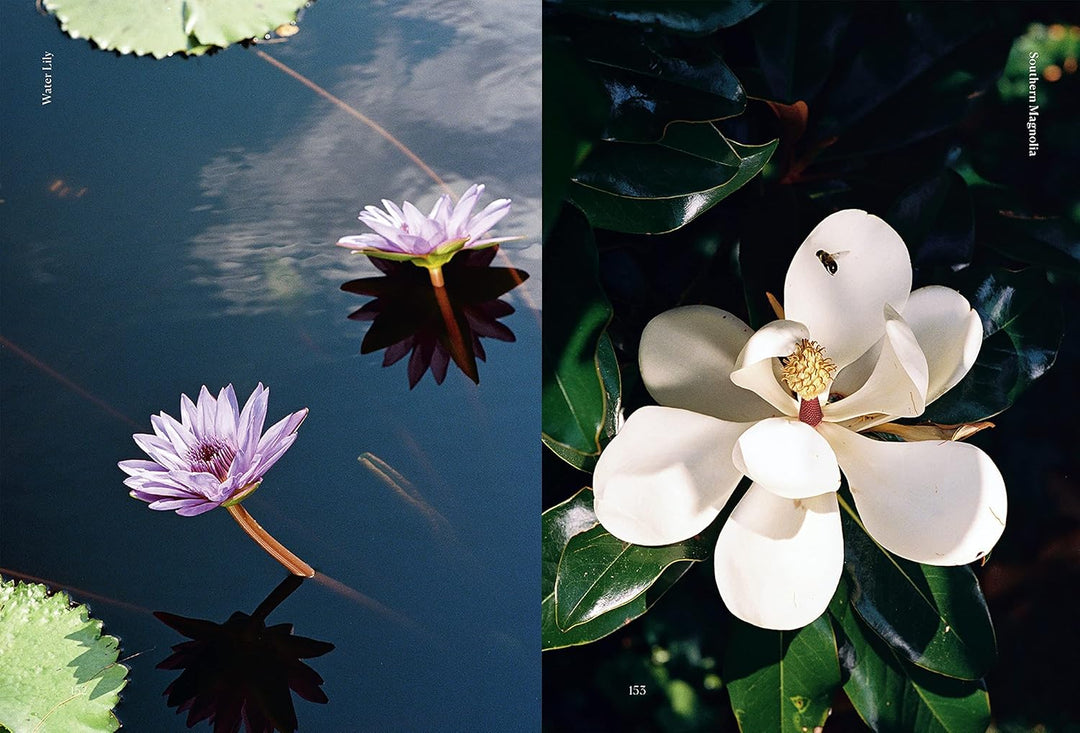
[[170, 224]]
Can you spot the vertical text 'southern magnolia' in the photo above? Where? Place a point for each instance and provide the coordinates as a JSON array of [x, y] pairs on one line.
[[785, 406]]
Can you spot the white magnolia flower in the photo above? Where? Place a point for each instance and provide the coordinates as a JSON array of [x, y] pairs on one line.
[[785, 406]]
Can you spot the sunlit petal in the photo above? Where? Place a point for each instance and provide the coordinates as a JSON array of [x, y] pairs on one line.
[[757, 364], [896, 386], [665, 476], [778, 560], [949, 332], [940, 503], [844, 308], [686, 357], [787, 457]]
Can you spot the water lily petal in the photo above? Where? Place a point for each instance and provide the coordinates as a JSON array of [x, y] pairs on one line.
[[686, 357], [456, 224], [489, 217], [756, 368], [227, 412], [787, 457], [665, 476], [896, 386], [178, 436], [778, 561], [252, 418], [940, 503], [950, 333], [843, 309]]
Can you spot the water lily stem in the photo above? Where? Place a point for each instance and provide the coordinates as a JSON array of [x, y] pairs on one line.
[[435, 273], [278, 551]]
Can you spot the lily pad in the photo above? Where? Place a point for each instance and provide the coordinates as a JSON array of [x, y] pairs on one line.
[[162, 29], [57, 671]]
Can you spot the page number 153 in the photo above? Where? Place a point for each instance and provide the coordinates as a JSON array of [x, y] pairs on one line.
[[637, 689]]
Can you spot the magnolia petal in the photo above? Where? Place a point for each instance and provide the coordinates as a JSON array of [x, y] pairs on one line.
[[778, 561], [950, 333], [787, 457], [665, 476], [841, 300], [686, 356], [940, 503], [755, 368], [896, 386]]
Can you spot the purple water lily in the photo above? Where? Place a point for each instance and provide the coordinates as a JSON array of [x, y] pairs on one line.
[[405, 234], [406, 231], [215, 455]]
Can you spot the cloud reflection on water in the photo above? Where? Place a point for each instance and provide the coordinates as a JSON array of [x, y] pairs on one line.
[[468, 103]]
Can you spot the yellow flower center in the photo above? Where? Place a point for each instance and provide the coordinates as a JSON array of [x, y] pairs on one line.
[[807, 371]]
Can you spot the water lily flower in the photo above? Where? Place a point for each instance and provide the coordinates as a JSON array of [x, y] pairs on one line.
[[430, 241], [215, 455], [786, 407]]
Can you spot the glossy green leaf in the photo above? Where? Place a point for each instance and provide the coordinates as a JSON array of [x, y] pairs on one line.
[[574, 399], [651, 189], [781, 681], [795, 46], [894, 696], [162, 29], [559, 524], [575, 110], [599, 573], [653, 79], [58, 673], [553, 637], [1022, 330], [914, 72], [934, 617], [935, 219], [1007, 227], [691, 17]]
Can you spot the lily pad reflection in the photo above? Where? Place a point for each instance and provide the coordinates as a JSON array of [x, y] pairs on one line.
[[240, 672], [435, 326]]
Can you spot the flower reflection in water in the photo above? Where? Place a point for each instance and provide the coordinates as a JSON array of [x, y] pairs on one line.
[[435, 326], [240, 672]]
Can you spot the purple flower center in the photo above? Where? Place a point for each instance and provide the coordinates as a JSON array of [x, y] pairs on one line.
[[212, 455]]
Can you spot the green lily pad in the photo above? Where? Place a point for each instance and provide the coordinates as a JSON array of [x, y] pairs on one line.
[[162, 29], [58, 673]]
